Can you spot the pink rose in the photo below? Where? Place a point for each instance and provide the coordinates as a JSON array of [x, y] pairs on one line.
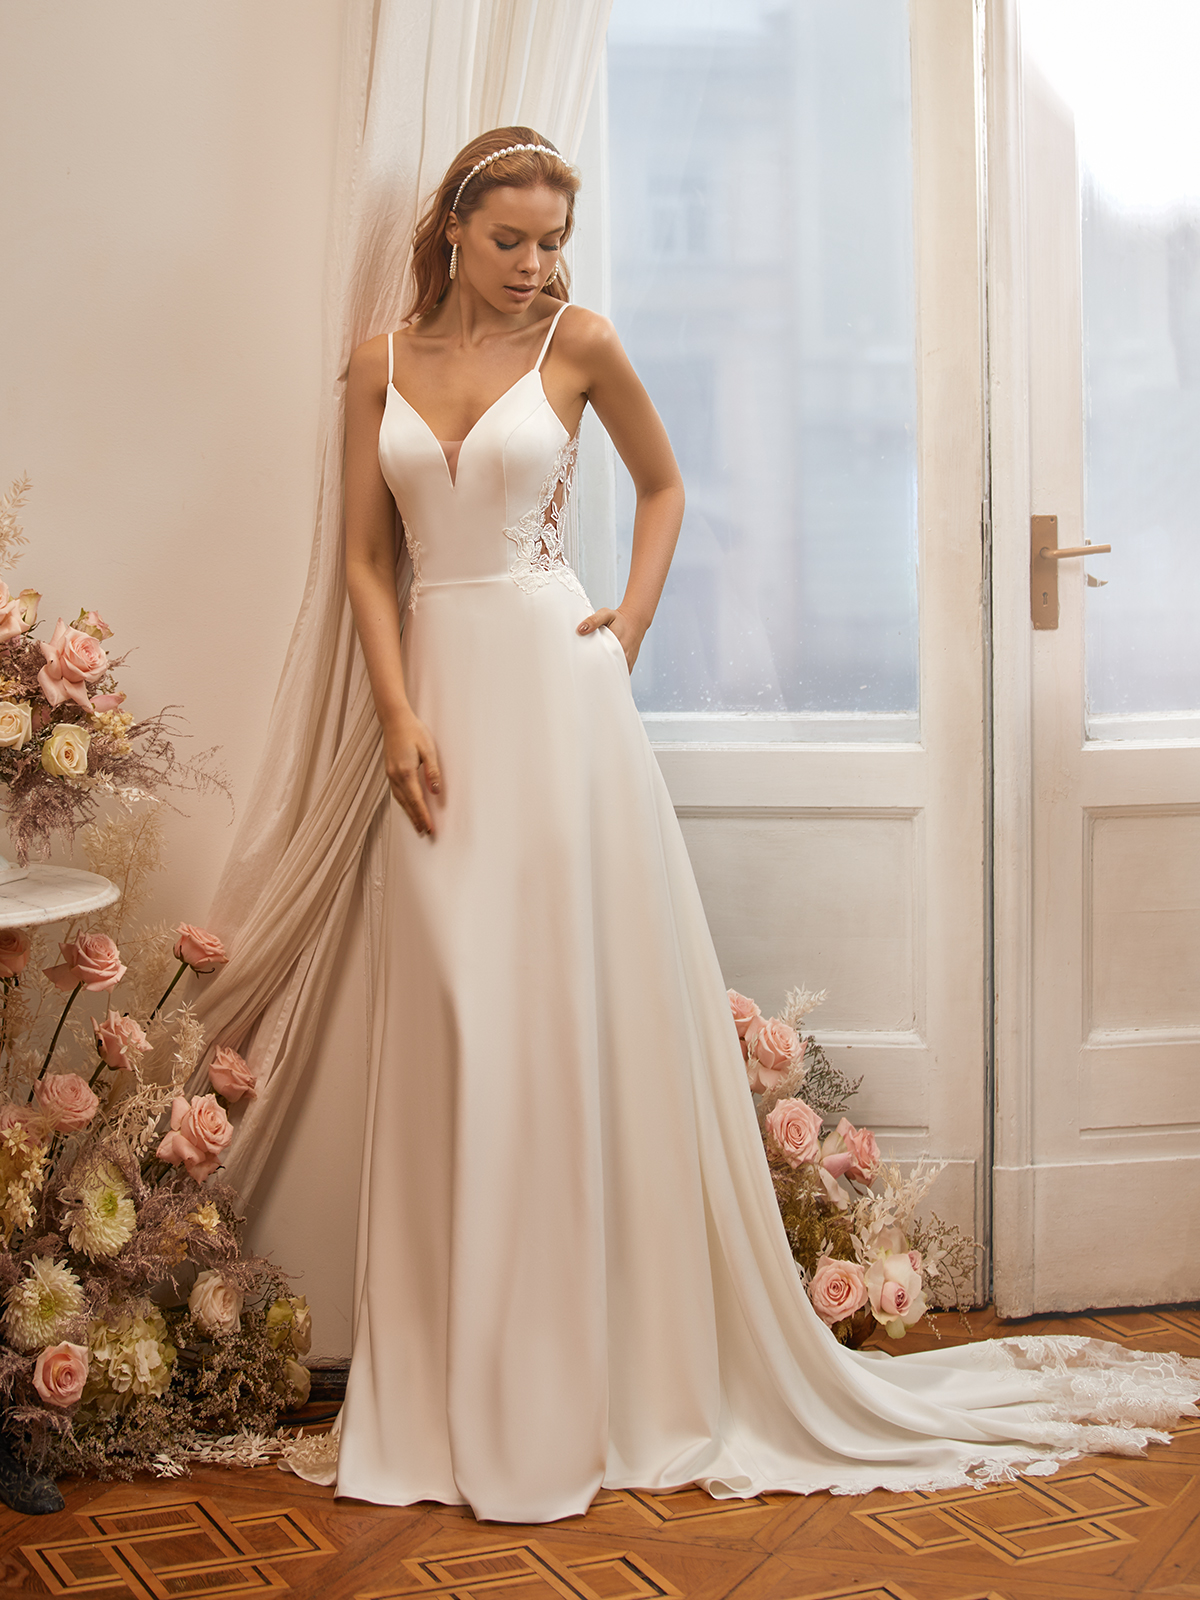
[[200, 1135], [73, 660], [864, 1152], [837, 1290], [92, 960], [835, 1159], [774, 1050], [14, 952], [116, 1036], [60, 1373], [231, 1076], [11, 621], [92, 622], [795, 1129], [896, 1292], [107, 702], [67, 1100], [745, 1012], [202, 951], [15, 1116]]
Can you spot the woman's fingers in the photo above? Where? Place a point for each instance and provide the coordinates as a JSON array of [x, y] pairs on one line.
[[416, 752], [598, 619]]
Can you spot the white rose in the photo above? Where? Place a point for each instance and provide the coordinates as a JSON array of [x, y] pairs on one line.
[[16, 725], [65, 752], [216, 1306]]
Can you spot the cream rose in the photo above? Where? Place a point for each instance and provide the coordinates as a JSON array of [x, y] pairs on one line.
[[28, 601], [795, 1130], [92, 960], [200, 1135], [837, 1290], [16, 724], [202, 951], [216, 1306], [14, 952], [60, 1373], [67, 1101], [896, 1291], [231, 1076], [65, 752], [116, 1036]]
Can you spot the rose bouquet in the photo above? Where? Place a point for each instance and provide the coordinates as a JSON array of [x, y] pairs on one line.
[[64, 739], [866, 1258], [133, 1327]]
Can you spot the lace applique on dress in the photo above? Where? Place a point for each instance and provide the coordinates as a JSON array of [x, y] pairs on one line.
[[414, 555], [538, 536]]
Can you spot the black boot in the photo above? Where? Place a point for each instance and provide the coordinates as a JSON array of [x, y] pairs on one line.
[[27, 1492]]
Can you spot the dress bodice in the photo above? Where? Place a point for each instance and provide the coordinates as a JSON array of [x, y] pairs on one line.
[[498, 514]]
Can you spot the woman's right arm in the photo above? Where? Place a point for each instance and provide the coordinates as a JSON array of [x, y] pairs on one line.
[[371, 582]]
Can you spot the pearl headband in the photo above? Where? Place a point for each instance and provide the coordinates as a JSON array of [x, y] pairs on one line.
[[495, 156]]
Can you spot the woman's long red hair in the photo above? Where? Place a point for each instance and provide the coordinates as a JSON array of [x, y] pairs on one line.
[[525, 169]]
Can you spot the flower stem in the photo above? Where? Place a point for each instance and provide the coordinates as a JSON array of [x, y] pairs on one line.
[[167, 991], [57, 1031]]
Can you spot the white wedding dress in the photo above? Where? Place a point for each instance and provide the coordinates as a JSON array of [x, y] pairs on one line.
[[571, 1269]]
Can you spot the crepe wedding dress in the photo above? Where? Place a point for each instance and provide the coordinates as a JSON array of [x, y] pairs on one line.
[[571, 1268]]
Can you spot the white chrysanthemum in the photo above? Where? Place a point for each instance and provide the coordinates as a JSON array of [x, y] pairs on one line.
[[41, 1305], [105, 1218]]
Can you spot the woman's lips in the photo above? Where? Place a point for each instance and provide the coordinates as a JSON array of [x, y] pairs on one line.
[[521, 293]]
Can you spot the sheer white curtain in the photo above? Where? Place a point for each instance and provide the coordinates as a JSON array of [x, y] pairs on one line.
[[421, 77]]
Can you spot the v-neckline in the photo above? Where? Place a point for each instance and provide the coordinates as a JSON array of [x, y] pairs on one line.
[[452, 478]]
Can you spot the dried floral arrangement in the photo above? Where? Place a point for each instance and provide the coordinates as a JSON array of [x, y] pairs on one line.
[[866, 1258], [65, 742], [133, 1327]]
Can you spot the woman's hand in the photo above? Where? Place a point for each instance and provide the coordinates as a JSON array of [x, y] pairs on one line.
[[626, 632], [407, 748]]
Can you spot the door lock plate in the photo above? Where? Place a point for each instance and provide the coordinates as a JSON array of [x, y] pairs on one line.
[[1043, 572]]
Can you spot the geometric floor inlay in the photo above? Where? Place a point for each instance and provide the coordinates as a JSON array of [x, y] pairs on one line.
[[526, 1571], [179, 1549], [1019, 1522]]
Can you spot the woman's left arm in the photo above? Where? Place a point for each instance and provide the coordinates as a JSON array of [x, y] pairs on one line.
[[635, 428]]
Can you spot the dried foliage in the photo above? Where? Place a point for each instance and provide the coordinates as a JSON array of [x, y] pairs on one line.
[[12, 535]]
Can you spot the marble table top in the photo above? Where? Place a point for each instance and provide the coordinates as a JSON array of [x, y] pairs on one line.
[[53, 894]]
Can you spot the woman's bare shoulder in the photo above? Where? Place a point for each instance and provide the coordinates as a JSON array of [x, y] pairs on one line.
[[369, 363]]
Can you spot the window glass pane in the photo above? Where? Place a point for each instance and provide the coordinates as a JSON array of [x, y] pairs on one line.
[[762, 281], [1126, 69]]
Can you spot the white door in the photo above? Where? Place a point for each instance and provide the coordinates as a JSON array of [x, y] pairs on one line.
[[1098, 1161], [796, 270]]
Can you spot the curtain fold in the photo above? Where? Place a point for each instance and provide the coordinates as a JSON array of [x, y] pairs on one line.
[[420, 78]]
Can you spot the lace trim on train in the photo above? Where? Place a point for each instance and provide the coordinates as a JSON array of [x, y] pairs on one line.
[[1087, 1397], [538, 536]]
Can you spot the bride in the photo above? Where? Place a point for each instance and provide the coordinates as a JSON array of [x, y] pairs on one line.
[[571, 1270]]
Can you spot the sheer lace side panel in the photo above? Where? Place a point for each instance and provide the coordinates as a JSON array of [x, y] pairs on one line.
[[537, 537], [414, 555]]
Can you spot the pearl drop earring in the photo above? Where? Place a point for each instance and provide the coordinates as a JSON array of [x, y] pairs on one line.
[[453, 259]]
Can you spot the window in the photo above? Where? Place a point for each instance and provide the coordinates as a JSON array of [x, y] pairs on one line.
[[762, 281]]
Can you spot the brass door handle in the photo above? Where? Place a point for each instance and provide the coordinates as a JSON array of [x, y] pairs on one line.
[[1044, 556], [1047, 554]]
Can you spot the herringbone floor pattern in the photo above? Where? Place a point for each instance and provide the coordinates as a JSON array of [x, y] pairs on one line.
[[1102, 1529]]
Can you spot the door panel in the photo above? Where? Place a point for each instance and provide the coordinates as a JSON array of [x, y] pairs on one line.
[[1099, 1115]]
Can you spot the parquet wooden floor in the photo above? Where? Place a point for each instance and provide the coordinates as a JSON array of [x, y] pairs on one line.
[[1101, 1529]]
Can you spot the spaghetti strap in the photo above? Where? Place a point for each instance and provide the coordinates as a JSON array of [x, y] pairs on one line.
[[550, 334], [391, 336]]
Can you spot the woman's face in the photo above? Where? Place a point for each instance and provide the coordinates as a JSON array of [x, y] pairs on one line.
[[508, 246]]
